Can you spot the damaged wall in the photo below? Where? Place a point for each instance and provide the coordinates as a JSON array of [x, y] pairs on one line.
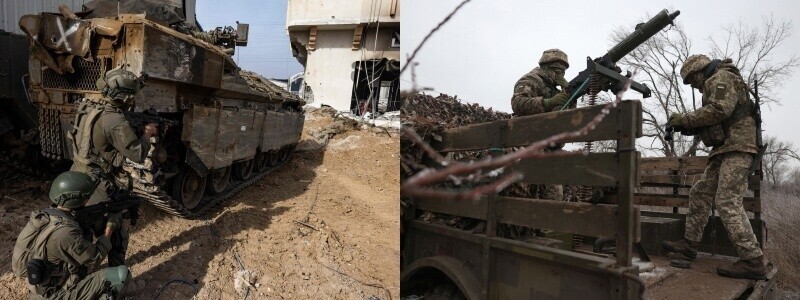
[[329, 60], [329, 68], [340, 12]]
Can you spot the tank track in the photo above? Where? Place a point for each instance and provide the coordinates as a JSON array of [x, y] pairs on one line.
[[148, 183], [163, 201]]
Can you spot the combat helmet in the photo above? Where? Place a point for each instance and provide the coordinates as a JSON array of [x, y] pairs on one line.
[[692, 64], [71, 189], [552, 55], [119, 85]]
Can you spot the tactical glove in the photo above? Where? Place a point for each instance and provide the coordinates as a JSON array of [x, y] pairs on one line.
[[563, 83], [555, 102], [114, 220], [675, 121]]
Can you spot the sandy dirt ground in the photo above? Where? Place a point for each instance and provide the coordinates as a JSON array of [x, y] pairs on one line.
[[323, 226]]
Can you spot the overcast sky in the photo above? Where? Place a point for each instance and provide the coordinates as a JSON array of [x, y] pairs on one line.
[[267, 51], [489, 44]]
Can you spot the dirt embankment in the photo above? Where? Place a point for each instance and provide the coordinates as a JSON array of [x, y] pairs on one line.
[[325, 225]]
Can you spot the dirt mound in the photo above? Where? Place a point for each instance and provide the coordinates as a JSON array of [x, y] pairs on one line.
[[325, 225]]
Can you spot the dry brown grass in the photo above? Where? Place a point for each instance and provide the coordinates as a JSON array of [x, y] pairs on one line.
[[782, 214]]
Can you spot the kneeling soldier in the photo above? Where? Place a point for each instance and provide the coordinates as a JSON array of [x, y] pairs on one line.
[[54, 253]]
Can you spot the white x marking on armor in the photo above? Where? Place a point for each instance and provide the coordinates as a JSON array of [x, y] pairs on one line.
[[63, 39]]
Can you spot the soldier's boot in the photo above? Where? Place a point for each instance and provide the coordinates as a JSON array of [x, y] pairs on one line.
[[683, 246], [754, 269]]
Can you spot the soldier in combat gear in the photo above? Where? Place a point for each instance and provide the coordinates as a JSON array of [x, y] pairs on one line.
[[537, 92], [102, 139], [726, 124], [55, 254]]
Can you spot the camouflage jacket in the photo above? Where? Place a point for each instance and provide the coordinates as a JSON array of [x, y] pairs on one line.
[[723, 92], [531, 90], [112, 140]]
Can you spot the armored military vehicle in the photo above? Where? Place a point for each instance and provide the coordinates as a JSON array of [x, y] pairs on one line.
[[221, 127]]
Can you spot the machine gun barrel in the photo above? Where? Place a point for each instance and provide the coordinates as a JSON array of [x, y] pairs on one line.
[[643, 32]]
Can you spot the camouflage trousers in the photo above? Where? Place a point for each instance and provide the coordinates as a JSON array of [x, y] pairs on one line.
[[120, 237], [90, 287], [723, 182], [549, 191]]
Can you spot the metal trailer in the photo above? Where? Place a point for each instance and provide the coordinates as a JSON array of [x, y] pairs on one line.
[[482, 265]]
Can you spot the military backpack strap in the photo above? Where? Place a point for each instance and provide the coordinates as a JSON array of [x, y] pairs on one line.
[[745, 108], [86, 118], [40, 271]]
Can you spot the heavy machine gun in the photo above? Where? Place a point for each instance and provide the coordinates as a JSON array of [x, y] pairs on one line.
[[609, 77]]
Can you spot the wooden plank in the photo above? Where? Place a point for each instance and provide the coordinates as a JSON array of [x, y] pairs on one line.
[[751, 204], [670, 180], [575, 217], [596, 169], [673, 163], [522, 131], [465, 208], [627, 218]]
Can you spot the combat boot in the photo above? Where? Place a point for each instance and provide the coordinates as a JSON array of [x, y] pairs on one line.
[[683, 246], [754, 269]]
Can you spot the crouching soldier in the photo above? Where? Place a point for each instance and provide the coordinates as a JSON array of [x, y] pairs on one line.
[[54, 254], [102, 138]]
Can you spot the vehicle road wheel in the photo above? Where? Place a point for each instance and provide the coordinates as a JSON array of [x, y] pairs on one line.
[[218, 180], [188, 187], [283, 154], [272, 157], [260, 162], [243, 170], [444, 292]]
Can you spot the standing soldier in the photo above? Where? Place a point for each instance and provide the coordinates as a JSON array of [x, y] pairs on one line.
[[102, 139], [537, 92], [725, 123], [53, 253]]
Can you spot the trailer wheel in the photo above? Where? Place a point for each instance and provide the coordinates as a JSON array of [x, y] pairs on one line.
[[444, 291], [218, 180], [243, 170], [260, 162], [188, 187]]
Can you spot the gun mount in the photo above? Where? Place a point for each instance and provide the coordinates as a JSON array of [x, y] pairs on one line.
[[606, 64]]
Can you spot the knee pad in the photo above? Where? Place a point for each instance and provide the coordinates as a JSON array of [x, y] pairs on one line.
[[117, 277]]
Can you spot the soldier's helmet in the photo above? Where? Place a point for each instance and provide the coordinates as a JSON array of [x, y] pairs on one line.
[[692, 64], [71, 189], [553, 55], [119, 84]]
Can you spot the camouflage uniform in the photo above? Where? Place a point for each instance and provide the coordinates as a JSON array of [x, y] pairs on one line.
[[102, 139], [531, 90], [530, 94], [69, 254], [727, 114], [61, 252]]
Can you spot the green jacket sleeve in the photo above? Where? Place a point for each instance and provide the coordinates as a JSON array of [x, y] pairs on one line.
[[720, 97], [121, 135], [74, 248]]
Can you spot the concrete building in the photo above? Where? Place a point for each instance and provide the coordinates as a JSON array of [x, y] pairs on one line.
[[350, 50]]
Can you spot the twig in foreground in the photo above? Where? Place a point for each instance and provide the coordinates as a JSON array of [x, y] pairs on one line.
[[414, 186]]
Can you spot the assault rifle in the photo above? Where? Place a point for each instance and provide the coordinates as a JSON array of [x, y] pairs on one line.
[[87, 215], [606, 65], [139, 119], [756, 166]]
